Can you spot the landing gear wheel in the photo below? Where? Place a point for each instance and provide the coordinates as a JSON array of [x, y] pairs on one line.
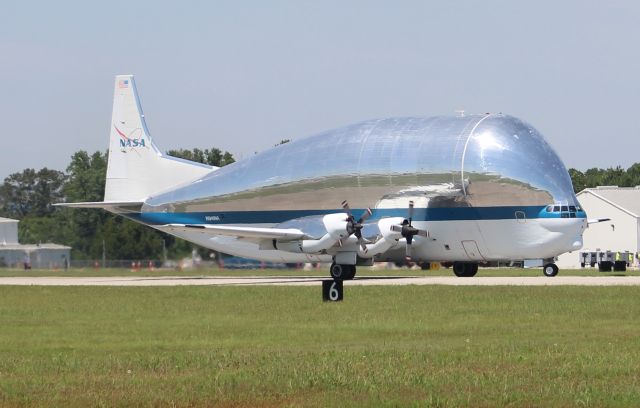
[[465, 269], [337, 271], [351, 272], [342, 272], [550, 270]]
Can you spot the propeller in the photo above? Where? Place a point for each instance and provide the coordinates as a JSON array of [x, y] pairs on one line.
[[355, 227], [407, 230]]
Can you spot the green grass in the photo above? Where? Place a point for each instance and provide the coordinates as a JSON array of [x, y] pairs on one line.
[[282, 346], [324, 271]]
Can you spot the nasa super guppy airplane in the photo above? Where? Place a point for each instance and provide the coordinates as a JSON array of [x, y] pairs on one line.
[[463, 189]]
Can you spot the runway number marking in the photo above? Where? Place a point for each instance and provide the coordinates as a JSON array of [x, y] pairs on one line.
[[332, 291]]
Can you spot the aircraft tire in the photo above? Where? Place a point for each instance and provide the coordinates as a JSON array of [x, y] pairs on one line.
[[473, 269], [342, 272], [351, 272], [337, 271], [465, 269], [550, 270]]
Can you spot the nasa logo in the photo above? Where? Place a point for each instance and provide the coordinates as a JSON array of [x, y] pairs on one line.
[[132, 143], [128, 141]]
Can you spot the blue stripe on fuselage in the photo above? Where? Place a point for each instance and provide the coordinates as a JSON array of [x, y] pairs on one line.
[[275, 217]]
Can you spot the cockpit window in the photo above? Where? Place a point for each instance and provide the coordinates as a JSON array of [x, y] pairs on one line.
[[565, 211]]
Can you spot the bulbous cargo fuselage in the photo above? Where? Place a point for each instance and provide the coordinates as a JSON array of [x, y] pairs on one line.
[[481, 184]]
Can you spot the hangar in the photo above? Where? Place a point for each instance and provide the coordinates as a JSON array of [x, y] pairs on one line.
[[622, 233], [14, 255]]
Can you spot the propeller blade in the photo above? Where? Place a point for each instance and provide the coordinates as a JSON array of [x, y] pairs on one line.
[[409, 239], [362, 244], [345, 206], [365, 215], [408, 251], [410, 211], [396, 228], [423, 233]]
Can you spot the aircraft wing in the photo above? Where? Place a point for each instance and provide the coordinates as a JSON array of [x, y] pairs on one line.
[[101, 204], [597, 220], [240, 232]]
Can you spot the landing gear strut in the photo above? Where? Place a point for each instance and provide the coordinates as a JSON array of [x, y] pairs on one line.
[[550, 270], [342, 272], [465, 269]]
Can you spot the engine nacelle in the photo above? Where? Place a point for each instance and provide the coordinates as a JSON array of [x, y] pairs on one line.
[[336, 226], [389, 238]]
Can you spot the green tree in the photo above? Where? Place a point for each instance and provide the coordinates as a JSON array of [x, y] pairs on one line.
[[212, 157], [123, 238], [613, 176], [31, 192], [578, 180]]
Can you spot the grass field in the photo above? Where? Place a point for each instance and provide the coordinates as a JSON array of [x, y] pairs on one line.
[[281, 346]]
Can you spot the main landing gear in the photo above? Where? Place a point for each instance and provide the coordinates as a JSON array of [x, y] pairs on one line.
[[550, 270], [342, 272], [465, 269]]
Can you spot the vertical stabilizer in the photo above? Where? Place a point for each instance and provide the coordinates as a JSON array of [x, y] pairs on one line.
[[136, 167]]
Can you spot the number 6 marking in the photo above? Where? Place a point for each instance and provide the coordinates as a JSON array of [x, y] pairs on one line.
[[333, 292]]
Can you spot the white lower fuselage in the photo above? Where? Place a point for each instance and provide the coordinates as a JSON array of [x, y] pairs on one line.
[[467, 240]]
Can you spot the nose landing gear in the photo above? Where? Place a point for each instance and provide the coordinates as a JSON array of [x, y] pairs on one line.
[[550, 270]]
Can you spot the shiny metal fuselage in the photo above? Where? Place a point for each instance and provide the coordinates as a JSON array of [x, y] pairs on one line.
[[480, 183]]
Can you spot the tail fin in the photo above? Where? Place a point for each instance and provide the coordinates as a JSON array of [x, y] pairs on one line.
[[136, 167]]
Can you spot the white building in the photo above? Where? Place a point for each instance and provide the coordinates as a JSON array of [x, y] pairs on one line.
[[14, 255], [622, 233], [8, 231]]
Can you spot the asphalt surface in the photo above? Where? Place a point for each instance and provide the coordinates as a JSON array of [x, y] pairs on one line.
[[310, 281]]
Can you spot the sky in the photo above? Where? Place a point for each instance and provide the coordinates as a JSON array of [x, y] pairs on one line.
[[243, 75]]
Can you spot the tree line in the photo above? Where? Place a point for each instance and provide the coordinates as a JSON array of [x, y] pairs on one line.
[[29, 197], [613, 176]]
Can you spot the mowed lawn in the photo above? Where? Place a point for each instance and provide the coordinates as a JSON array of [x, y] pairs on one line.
[[282, 346]]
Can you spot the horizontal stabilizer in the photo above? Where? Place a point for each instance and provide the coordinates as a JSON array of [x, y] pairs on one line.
[[101, 204], [243, 232], [597, 220]]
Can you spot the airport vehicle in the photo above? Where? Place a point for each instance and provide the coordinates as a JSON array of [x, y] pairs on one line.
[[618, 260], [462, 189]]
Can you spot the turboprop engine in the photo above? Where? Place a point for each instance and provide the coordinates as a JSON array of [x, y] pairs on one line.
[[337, 227]]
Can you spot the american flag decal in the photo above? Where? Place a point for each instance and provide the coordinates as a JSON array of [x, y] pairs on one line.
[[123, 83]]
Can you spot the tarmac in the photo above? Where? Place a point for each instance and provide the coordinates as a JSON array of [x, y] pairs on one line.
[[311, 281]]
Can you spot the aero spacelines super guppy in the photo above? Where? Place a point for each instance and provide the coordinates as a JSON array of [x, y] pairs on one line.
[[463, 189]]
